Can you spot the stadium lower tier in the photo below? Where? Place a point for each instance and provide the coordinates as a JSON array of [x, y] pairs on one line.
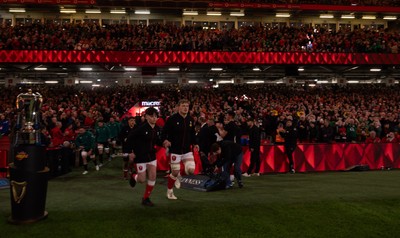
[[315, 157]]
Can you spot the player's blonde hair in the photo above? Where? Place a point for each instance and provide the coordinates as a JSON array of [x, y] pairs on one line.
[[182, 101]]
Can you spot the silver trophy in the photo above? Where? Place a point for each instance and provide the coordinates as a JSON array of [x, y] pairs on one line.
[[27, 126]]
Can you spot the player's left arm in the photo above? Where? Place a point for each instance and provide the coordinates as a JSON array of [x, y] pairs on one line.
[[193, 140]]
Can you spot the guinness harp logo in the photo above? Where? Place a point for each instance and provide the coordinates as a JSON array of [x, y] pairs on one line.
[[18, 190]]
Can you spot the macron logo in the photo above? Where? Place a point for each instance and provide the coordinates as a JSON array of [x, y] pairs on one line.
[[150, 103]]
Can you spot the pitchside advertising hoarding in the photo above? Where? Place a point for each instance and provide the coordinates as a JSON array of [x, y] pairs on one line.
[[141, 106]]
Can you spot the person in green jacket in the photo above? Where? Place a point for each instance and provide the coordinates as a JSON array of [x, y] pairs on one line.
[[85, 143], [351, 130], [103, 139], [115, 128]]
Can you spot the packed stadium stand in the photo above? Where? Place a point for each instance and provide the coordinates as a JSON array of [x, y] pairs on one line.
[[303, 61]]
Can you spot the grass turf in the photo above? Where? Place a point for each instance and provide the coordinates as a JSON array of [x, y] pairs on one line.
[[329, 204]]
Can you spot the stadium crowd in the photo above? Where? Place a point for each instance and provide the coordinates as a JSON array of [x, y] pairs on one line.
[[127, 37], [322, 114]]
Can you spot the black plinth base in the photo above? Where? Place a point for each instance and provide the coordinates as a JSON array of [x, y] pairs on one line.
[[28, 195], [30, 221]]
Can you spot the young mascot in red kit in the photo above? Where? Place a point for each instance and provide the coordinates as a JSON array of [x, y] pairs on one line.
[[144, 141]]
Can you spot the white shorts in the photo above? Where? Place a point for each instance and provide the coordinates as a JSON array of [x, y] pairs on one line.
[[176, 159], [142, 167]]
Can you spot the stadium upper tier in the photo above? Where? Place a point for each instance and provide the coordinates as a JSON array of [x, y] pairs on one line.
[[128, 37]]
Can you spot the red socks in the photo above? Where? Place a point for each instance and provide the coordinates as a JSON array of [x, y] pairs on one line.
[[171, 181], [147, 192]]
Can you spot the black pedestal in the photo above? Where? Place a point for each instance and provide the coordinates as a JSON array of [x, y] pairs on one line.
[[28, 184], [28, 195]]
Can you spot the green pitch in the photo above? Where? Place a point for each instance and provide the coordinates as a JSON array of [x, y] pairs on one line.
[[330, 204]]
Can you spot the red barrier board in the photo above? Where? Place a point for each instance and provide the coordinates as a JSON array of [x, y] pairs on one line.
[[162, 58], [315, 157], [4, 150], [3, 162], [328, 157]]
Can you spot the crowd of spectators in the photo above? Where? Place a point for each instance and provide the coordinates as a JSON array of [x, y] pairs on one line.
[[258, 38], [323, 114], [324, 2]]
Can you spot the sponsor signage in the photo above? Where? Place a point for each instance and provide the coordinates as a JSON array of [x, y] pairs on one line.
[[202, 183], [4, 183], [194, 182], [150, 103], [304, 7], [21, 155]]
